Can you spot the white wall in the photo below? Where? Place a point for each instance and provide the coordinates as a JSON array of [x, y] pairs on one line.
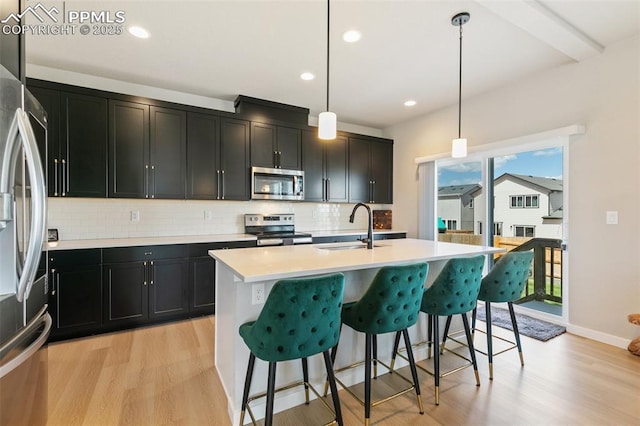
[[601, 93]]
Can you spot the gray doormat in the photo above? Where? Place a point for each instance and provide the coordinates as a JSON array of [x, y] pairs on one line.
[[527, 326]]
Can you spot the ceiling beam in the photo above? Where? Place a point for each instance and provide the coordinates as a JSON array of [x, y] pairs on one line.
[[545, 25]]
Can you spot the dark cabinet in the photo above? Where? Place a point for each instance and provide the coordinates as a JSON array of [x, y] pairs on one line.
[[144, 284], [77, 143], [275, 146], [370, 171], [75, 296], [234, 159], [218, 149], [203, 161], [325, 168], [167, 153], [202, 272], [147, 151], [168, 281], [128, 149]]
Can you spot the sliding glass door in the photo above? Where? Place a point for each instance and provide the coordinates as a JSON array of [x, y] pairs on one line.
[[516, 199]]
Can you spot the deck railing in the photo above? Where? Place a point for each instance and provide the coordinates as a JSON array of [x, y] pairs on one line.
[[547, 261], [547, 270]]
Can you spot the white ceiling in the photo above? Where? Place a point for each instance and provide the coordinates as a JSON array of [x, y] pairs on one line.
[[408, 50]]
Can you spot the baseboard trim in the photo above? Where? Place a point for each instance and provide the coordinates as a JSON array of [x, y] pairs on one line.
[[598, 336]]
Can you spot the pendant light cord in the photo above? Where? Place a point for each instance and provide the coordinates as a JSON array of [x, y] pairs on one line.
[[460, 89], [328, 41]]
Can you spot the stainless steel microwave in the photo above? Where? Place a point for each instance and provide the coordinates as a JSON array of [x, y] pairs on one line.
[[276, 184]]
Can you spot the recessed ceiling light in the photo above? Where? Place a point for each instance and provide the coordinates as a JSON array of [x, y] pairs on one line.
[[410, 103], [307, 76], [351, 36], [139, 32]]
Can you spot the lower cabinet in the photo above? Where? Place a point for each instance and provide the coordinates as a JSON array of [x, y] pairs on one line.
[[144, 284], [75, 295]]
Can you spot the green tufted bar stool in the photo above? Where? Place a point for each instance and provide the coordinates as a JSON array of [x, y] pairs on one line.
[[300, 318], [454, 291], [505, 283], [390, 304]]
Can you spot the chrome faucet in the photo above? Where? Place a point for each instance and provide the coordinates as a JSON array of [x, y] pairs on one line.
[[369, 239]]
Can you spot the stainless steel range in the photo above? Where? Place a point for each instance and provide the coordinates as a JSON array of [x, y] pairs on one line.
[[274, 229]]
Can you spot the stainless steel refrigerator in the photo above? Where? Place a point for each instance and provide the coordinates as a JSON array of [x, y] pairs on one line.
[[24, 321]]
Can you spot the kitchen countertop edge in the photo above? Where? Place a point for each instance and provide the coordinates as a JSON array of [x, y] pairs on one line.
[[187, 239]]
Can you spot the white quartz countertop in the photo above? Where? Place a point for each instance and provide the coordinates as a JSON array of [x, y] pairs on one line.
[[271, 263], [147, 241]]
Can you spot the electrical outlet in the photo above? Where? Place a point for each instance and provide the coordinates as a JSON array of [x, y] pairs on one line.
[[612, 218], [257, 294], [208, 215], [135, 216]]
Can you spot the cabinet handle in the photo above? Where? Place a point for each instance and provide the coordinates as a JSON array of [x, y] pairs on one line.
[[67, 177], [148, 253], [373, 191], [146, 181], [324, 189], [53, 289], [151, 273], [279, 159], [328, 189], [223, 184], [153, 180], [218, 184], [55, 177], [62, 177], [146, 273], [275, 159]]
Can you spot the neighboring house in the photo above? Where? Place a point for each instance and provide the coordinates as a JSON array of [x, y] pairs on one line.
[[524, 206], [455, 206]]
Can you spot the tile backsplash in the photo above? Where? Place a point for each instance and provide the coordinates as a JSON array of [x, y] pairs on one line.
[[97, 218]]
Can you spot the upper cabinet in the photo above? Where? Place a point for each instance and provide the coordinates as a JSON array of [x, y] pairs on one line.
[[147, 151], [370, 170], [77, 143], [218, 149], [325, 168], [275, 146], [101, 144]]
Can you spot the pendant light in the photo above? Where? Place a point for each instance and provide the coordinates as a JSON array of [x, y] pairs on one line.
[[327, 121], [459, 145]]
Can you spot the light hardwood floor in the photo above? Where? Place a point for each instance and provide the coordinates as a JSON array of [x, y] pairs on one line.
[[164, 375]]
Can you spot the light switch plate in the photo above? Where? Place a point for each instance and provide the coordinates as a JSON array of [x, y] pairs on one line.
[[612, 218], [135, 216]]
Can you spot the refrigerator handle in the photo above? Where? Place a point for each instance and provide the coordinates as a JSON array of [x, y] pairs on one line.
[[21, 130], [33, 347]]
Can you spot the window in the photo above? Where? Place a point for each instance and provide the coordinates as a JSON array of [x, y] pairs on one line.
[[524, 201], [524, 231], [497, 228], [452, 224]]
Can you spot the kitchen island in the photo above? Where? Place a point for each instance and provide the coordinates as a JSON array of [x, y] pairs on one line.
[[243, 274]]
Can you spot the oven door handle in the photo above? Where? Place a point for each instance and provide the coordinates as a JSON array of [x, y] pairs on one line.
[[270, 242]]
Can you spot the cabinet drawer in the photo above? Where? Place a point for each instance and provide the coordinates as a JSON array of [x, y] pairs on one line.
[[75, 258], [141, 253]]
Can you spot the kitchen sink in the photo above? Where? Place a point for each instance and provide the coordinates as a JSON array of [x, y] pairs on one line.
[[349, 247]]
